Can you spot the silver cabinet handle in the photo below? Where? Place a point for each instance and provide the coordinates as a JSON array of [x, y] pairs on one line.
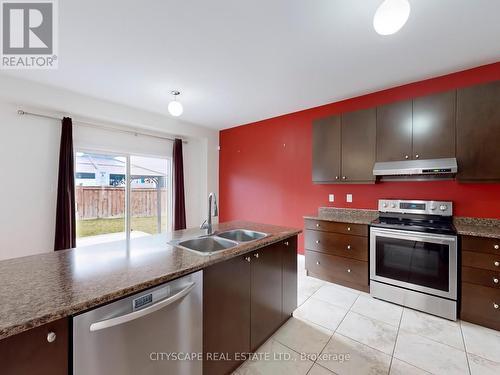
[[248, 259], [349, 270], [496, 247], [317, 225], [51, 337], [496, 264], [417, 156], [495, 306], [349, 229], [344, 177], [317, 263], [286, 243], [348, 247], [140, 313], [256, 255], [336, 177], [407, 157], [495, 280], [317, 241]]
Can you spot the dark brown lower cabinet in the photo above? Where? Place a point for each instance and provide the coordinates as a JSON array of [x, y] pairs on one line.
[[289, 254], [480, 305], [31, 353], [245, 300], [339, 270], [337, 252], [226, 314], [266, 294]]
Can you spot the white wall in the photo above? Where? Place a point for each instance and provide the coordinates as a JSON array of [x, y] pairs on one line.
[[29, 150]]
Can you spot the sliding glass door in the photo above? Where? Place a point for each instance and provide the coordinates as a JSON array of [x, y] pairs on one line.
[[107, 211], [149, 195]]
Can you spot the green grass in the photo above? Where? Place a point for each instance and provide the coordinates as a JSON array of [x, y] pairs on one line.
[[93, 227]]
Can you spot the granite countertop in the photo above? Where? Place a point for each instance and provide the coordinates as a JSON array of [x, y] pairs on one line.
[[466, 226], [38, 289], [470, 226], [345, 215]]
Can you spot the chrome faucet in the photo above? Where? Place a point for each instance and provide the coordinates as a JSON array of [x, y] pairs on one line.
[[212, 211]]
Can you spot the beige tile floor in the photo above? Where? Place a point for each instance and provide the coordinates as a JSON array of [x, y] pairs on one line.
[[337, 330]]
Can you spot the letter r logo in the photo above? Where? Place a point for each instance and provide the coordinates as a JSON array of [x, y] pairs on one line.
[[27, 28]]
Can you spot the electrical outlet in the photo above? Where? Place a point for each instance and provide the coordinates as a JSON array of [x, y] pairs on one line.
[[331, 198], [348, 198]]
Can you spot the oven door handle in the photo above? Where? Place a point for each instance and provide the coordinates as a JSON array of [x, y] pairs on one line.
[[410, 236], [143, 312]]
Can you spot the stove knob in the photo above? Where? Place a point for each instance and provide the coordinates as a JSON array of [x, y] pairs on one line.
[[443, 207], [433, 208], [384, 205], [393, 205]]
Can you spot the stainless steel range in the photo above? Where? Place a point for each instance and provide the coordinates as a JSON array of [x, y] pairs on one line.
[[413, 256]]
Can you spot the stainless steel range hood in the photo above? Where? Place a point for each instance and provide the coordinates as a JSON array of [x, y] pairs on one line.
[[431, 167]]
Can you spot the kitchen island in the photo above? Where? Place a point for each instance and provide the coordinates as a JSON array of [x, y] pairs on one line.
[[45, 289]]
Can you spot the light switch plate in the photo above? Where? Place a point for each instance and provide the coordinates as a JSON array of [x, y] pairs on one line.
[[348, 198], [331, 198]]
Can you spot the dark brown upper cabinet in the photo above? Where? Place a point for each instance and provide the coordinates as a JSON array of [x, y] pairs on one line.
[[422, 128], [394, 131], [478, 132], [434, 126], [326, 148], [358, 145]]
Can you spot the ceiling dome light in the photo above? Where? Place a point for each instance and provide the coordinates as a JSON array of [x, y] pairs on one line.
[[174, 107], [391, 16]]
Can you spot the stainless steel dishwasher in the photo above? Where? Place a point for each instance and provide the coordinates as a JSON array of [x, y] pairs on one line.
[[157, 331]]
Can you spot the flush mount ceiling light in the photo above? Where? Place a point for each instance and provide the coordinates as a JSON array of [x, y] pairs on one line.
[[391, 16], [174, 107]]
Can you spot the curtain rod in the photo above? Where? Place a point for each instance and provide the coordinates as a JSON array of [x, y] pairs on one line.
[[21, 112]]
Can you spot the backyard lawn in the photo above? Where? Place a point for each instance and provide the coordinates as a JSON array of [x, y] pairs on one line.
[[93, 227]]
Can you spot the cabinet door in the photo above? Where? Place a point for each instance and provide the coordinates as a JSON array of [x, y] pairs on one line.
[[394, 131], [31, 353], [266, 294], [326, 150], [358, 145], [226, 313], [289, 258], [434, 126], [478, 132]]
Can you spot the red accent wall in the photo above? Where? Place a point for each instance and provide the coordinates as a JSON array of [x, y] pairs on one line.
[[265, 167]]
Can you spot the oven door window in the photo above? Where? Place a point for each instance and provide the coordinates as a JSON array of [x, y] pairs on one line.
[[419, 263]]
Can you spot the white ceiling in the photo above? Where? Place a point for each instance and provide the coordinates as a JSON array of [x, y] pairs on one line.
[[240, 61]]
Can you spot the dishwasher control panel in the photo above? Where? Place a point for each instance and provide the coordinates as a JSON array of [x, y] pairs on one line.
[[147, 299], [142, 301]]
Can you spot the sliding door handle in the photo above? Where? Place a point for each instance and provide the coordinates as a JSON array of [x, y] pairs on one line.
[[97, 326]]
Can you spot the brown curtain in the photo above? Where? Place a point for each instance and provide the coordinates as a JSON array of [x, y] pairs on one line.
[[65, 213], [179, 202]]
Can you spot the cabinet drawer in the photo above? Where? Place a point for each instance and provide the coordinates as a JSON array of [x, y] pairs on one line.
[[481, 305], [481, 260], [344, 245], [481, 244], [481, 277], [349, 272], [332, 226]]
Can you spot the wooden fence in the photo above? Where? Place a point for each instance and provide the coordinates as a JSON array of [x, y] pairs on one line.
[[109, 202]]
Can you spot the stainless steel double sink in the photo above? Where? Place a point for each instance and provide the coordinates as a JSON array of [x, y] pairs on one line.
[[209, 244]]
